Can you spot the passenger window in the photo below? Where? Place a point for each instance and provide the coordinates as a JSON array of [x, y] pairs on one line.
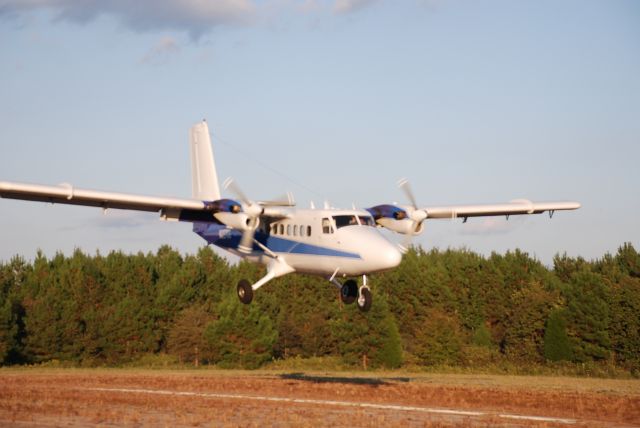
[[308, 230], [326, 226], [281, 229], [288, 230], [345, 220], [295, 230]]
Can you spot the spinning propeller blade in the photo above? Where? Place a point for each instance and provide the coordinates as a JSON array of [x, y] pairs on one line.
[[416, 214], [406, 187], [253, 212]]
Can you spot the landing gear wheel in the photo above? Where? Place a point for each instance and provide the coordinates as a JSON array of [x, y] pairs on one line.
[[349, 292], [245, 291], [365, 299]]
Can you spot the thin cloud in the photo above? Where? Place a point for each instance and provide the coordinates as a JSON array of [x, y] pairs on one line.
[[114, 220], [490, 226], [196, 17], [343, 7], [162, 52]]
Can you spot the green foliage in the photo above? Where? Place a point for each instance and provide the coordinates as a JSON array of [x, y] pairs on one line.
[[530, 307], [624, 322], [628, 260], [440, 340], [588, 316], [186, 337], [12, 277], [371, 338], [454, 307], [557, 346], [242, 336], [482, 336]]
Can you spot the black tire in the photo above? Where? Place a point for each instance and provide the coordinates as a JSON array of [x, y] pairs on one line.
[[349, 292], [245, 291], [365, 300]]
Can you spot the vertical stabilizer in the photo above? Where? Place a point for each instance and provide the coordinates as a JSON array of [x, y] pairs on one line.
[[203, 169]]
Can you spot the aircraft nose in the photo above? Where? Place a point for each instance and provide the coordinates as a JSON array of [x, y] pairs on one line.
[[384, 254], [390, 256]]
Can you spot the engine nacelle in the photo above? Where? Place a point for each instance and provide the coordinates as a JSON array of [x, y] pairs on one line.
[[223, 205], [396, 218], [387, 211], [239, 221], [404, 227]]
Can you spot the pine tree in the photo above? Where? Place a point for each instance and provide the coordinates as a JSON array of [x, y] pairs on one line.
[[588, 316], [624, 322], [482, 336], [371, 339], [530, 307], [242, 336], [439, 341], [557, 346], [186, 336], [12, 279]]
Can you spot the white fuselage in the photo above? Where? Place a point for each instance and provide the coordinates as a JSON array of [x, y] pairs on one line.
[[327, 242]]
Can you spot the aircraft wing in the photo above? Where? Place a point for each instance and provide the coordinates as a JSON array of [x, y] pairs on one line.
[[515, 207], [170, 208]]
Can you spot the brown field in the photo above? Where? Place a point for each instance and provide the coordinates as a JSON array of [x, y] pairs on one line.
[[77, 397]]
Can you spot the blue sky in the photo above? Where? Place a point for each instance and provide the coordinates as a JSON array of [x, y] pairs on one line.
[[473, 102]]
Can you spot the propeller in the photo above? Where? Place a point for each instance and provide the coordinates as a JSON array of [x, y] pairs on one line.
[[416, 214], [252, 210]]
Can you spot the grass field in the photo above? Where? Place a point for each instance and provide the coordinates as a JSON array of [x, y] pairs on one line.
[[135, 397]]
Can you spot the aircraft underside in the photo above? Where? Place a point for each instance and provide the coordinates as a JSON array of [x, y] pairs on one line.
[[283, 256]]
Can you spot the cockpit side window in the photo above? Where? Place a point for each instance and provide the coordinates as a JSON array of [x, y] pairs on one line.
[[366, 220], [345, 220], [326, 226]]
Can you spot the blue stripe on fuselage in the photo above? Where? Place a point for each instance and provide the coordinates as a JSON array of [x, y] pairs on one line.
[[227, 238]]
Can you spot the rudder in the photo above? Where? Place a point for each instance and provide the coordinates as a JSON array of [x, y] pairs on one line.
[[204, 178]]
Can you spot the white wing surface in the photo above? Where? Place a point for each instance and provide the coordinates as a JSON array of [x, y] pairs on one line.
[[515, 207], [67, 194]]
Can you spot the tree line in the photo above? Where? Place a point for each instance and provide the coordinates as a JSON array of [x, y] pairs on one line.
[[439, 307]]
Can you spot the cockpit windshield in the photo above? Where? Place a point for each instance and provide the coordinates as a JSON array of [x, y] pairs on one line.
[[345, 220], [352, 220]]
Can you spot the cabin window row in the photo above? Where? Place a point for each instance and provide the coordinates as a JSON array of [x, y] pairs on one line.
[[290, 229]]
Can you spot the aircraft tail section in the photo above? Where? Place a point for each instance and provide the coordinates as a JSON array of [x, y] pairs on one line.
[[203, 168]]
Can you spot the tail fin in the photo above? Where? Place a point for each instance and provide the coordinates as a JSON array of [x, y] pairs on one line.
[[203, 169]]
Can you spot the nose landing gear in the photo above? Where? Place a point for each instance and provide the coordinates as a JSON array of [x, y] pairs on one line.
[[365, 299], [349, 293]]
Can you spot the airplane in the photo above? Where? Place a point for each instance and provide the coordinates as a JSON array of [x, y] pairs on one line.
[[328, 242]]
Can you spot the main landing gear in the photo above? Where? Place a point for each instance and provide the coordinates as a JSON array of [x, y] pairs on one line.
[[275, 269], [245, 291], [349, 293]]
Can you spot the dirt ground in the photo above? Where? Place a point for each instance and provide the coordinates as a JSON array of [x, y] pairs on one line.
[[205, 398]]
